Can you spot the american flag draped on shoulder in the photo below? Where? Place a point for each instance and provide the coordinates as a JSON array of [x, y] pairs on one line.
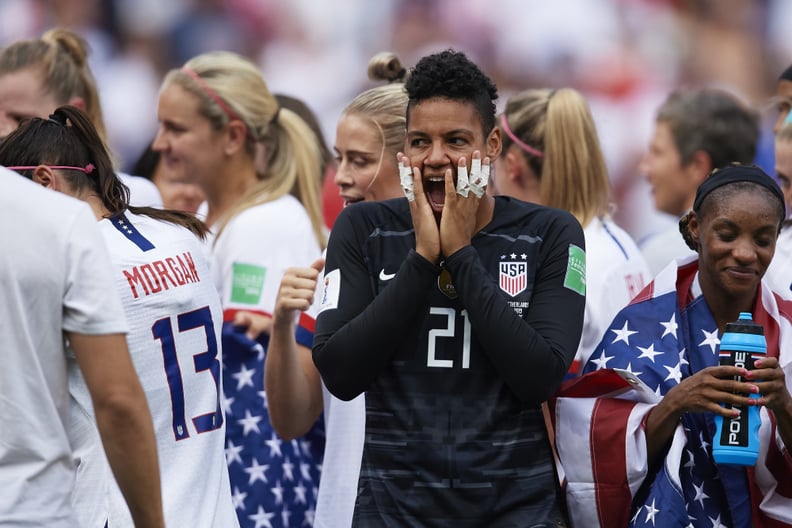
[[274, 483], [661, 338]]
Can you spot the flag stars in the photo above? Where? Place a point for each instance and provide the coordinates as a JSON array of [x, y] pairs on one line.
[[123, 226], [513, 256], [682, 359], [264, 468], [703, 442], [238, 498], [274, 444], [670, 327], [244, 377], [674, 373], [716, 523], [711, 339], [257, 472], [277, 491], [305, 471], [629, 369], [623, 334], [309, 517], [262, 518], [259, 351], [226, 404], [651, 511], [232, 453], [300, 494], [700, 495], [602, 361], [690, 463], [249, 423], [649, 352], [634, 520], [288, 469]]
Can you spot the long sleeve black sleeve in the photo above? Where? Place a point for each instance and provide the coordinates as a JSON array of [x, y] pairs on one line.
[[531, 353], [369, 327]]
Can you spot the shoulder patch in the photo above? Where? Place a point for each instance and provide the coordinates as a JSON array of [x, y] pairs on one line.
[[332, 290], [575, 278], [247, 282]]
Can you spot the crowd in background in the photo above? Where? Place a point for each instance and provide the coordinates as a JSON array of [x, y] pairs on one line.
[[623, 55]]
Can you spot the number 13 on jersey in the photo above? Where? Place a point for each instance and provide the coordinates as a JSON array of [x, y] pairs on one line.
[[162, 330]]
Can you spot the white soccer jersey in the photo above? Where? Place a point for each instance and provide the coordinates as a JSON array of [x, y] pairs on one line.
[[663, 247], [615, 272], [255, 248], [779, 274], [54, 276], [175, 319], [142, 191], [345, 428]]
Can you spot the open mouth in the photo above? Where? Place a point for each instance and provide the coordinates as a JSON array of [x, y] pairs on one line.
[[434, 188]]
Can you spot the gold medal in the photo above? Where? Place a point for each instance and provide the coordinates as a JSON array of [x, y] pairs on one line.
[[444, 283]]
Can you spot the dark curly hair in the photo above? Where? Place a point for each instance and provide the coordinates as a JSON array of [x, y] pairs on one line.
[[451, 75]]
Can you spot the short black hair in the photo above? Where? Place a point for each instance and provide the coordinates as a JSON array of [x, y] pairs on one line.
[[449, 74]]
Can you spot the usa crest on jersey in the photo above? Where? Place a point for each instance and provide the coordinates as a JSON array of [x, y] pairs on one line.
[[513, 277]]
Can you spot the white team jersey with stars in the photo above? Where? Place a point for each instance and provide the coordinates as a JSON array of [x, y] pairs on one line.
[[175, 319]]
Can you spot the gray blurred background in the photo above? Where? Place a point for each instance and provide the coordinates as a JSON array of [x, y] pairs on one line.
[[624, 55]]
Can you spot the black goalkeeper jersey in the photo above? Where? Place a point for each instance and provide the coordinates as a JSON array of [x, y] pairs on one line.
[[455, 361]]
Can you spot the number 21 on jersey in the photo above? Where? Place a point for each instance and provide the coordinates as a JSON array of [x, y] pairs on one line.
[[448, 331]]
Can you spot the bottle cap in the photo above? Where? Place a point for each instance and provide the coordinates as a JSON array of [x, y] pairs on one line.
[[745, 325]]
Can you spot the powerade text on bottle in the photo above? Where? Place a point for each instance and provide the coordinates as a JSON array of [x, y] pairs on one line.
[[736, 439]]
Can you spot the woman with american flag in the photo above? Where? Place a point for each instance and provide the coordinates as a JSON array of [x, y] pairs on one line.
[[653, 386]]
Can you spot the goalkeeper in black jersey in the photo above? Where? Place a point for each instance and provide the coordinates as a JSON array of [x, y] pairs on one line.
[[458, 314]]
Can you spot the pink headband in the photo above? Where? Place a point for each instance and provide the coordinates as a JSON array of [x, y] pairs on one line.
[[88, 169], [216, 98], [527, 148]]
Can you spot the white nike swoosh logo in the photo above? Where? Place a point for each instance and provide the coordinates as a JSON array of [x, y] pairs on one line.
[[385, 276]]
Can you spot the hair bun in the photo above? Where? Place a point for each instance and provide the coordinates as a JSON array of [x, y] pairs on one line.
[[69, 41], [386, 66]]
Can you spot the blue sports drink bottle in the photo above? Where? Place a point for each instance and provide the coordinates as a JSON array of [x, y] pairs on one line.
[[736, 440]]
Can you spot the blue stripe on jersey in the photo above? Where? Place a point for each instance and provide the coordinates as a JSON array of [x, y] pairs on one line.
[[126, 228], [605, 226]]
